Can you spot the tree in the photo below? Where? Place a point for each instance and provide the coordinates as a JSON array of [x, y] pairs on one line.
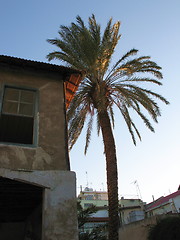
[[97, 233], [103, 88], [166, 229], [84, 214]]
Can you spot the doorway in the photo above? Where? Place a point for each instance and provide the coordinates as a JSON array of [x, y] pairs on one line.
[[20, 210]]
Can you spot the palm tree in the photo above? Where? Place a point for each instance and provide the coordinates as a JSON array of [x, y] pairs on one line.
[[104, 88]]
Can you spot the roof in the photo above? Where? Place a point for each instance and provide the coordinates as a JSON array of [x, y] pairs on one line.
[[98, 219], [129, 207], [94, 192], [163, 200], [71, 87], [72, 77]]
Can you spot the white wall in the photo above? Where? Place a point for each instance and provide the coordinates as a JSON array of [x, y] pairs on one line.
[[177, 203]]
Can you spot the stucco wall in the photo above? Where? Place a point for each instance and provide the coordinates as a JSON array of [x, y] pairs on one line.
[[59, 216], [139, 230], [50, 152], [136, 230]]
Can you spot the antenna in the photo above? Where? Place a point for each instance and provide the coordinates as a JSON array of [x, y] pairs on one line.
[[87, 183], [153, 198], [137, 189]]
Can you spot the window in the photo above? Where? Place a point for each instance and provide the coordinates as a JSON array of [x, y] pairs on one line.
[[17, 115], [87, 205], [89, 197]]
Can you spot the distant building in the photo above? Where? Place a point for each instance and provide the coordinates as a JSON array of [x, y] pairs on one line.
[[88, 198], [130, 210], [164, 205], [90, 194]]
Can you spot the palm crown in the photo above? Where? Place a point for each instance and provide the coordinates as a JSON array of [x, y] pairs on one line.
[[85, 49]]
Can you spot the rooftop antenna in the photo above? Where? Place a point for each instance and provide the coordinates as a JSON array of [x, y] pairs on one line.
[[87, 183], [137, 189], [102, 186]]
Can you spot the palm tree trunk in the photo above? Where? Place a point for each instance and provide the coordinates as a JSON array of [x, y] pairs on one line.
[[112, 176]]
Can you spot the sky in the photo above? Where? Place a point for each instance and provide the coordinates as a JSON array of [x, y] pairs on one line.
[[153, 27]]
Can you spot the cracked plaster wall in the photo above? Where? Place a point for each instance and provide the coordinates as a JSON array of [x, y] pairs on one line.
[[50, 152]]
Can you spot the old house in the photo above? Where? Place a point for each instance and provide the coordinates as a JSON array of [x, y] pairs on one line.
[[37, 188]]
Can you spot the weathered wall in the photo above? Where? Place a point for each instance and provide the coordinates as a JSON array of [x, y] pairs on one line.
[[50, 151], [136, 230], [59, 216], [33, 224]]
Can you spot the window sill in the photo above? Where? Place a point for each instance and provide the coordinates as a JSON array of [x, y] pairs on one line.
[[18, 145]]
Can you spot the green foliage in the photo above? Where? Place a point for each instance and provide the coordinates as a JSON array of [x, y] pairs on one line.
[[97, 233], [166, 229], [84, 214], [83, 47], [89, 50]]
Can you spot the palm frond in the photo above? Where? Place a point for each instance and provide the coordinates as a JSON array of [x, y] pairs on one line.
[[125, 56], [109, 41], [128, 67], [98, 126], [86, 48], [80, 22], [76, 125], [111, 113], [88, 133], [138, 79], [94, 29], [128, 121], [140, 96]]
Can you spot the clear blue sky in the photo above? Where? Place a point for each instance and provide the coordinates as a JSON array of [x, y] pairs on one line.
[[153, 27]]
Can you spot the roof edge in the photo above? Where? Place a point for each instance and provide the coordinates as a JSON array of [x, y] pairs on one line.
[[35, 64]]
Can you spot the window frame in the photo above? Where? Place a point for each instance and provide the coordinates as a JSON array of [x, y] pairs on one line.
[[36, 111]]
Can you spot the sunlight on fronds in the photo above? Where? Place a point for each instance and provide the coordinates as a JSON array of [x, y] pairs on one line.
[[88, 49]]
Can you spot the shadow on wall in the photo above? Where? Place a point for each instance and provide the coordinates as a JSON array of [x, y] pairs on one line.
[[139, 230]]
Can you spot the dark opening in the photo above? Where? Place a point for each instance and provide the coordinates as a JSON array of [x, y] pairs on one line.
[[16, 129], [17, 115], [20, 210]]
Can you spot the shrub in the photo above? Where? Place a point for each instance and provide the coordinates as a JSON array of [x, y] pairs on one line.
[[166, 229]]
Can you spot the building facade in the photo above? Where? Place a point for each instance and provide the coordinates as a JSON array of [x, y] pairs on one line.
[[37, 188], [164, 205], [130, 210]]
